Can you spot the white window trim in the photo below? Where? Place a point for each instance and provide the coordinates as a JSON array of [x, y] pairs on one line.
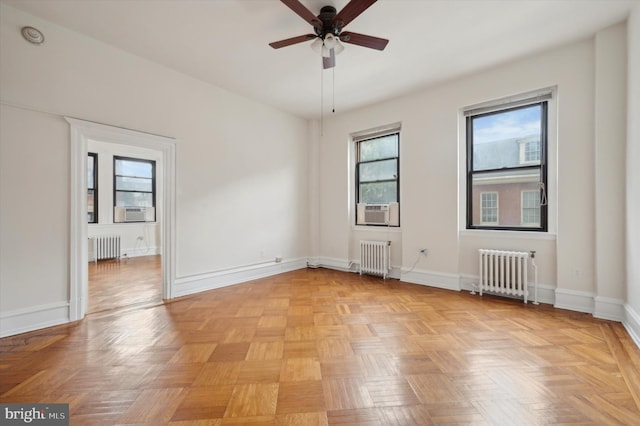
[[552, 172], [353, 158]]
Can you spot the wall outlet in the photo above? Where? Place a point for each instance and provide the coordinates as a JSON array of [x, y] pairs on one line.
[[140, 238], [423, 251], [278, 259]]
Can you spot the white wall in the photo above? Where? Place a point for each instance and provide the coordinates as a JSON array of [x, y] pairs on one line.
[[241, 167], [633, 177], [432, 170], [130, 233], [610, 145]]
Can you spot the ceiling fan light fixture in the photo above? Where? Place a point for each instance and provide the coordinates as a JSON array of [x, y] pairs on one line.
[[326, 52], [330, 41], [317, 45], [338, 48]]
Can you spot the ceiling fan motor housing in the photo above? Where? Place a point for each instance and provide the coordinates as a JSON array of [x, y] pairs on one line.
[[327, 14]]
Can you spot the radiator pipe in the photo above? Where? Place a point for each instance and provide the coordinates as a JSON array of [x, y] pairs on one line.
[[535, 277]]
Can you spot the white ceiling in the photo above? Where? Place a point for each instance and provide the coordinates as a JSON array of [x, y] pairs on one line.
[[225, 42]]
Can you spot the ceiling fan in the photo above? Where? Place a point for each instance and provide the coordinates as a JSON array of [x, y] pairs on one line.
[[328, 26]]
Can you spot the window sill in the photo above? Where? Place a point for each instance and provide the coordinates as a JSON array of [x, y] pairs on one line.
[[520, 235], [366, 228]]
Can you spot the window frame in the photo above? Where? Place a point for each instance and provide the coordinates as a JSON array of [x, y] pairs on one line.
[[94, 188], [365, 137], [153, 182], [523, 166]]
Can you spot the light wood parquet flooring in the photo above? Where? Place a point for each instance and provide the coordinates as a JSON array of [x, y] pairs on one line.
[[317, 347], [125, 283]]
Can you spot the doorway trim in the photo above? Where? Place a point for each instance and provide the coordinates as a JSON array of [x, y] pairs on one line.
[[81, 132]]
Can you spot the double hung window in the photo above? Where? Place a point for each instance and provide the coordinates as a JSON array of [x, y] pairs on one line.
[[92, 188], [134, 182], [506, 166]]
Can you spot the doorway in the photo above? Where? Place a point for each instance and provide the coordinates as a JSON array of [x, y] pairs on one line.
[[82, 132]]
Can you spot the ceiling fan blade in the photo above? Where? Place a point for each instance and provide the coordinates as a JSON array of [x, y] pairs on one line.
[[303, 12], [329, 62], [292, 40], [364, 40], [351, 11]]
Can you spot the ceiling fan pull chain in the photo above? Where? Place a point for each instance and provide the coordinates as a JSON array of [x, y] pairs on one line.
[[333, 107]]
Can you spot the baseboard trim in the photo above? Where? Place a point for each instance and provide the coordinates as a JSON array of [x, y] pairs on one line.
[[432, 279], [331, 263], [33, 318], [574, 300], [632, 323], [138, 252], [546, 293], [210, 281], [608, 308]]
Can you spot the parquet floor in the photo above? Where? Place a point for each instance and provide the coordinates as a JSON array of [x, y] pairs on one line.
[[316, 347], [129, 283]]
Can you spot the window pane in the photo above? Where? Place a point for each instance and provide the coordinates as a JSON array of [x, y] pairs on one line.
[[134, 168], [134, 184], [379, 170], [374, 149], [381, 192], [505, 208], [90, 171], [134, 199], [501, 139]]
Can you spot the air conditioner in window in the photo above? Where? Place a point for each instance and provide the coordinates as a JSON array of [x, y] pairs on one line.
[[378, 214], [134, 214]]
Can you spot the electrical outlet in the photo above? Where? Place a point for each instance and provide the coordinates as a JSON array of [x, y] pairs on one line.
[[424, 251], [140, 238]]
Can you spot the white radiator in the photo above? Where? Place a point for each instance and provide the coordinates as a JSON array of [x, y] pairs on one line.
[[375, 257], [504, 272], [104, 247]]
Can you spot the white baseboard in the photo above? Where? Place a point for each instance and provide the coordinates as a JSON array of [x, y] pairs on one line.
[[546, 293], [210, 281], [331, 263], [33, 318], [608, 308], [632, 323], [573, 300], [432, 279], [137, 252]]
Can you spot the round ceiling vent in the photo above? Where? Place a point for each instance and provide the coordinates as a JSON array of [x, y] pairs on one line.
[[32, 35]]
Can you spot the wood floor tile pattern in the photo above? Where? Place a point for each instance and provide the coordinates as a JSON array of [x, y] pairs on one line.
[[318, 347]]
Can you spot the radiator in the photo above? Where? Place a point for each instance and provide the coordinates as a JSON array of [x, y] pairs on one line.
[[504, 272], [375, 257], [104, 247]]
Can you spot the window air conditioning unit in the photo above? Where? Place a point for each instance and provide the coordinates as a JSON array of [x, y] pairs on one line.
[[134, 214], [377, 214]]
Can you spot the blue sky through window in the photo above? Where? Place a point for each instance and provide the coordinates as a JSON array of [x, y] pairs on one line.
[[517, 123]]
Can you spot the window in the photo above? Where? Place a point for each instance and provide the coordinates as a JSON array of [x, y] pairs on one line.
[[377, 170], [134, 183], [506, 161], [489, 207], [530, 208], [92, 188]]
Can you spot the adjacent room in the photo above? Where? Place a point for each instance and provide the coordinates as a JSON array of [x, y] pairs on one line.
[[321, 211]]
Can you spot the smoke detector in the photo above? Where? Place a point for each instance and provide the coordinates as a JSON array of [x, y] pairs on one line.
[[32, 35]]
